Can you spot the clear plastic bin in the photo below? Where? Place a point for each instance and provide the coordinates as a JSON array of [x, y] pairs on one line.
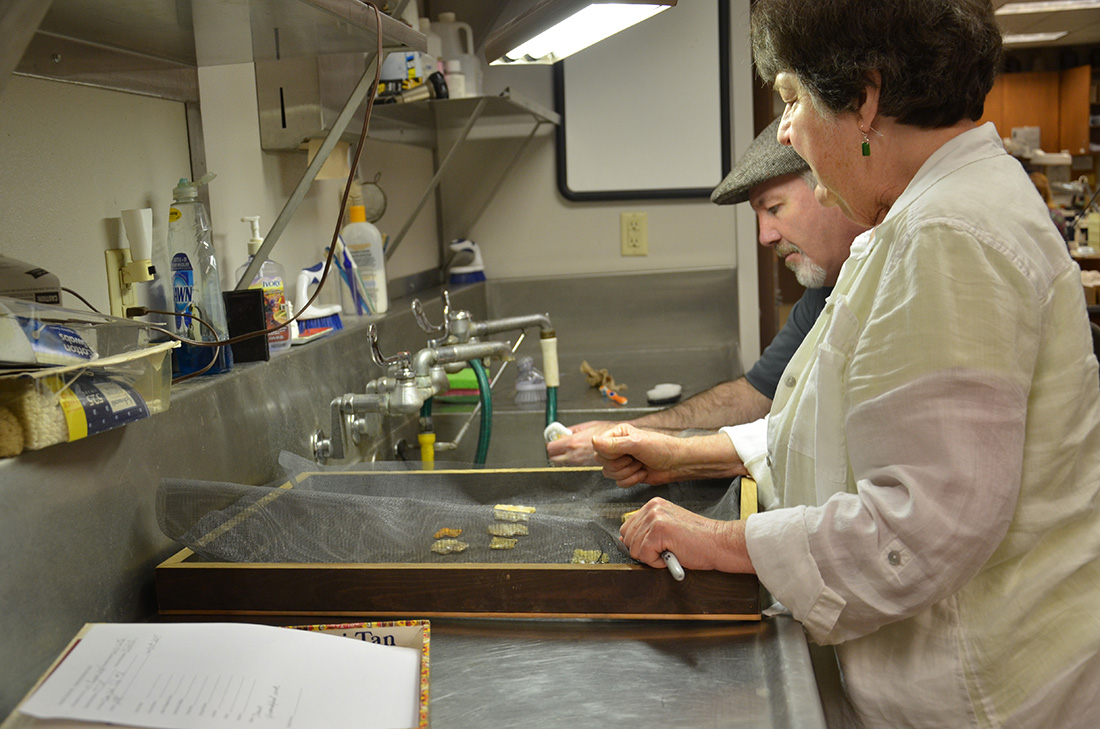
[[66, 375]]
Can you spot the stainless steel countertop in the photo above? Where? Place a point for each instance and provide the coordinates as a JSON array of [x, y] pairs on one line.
[[576, 674]]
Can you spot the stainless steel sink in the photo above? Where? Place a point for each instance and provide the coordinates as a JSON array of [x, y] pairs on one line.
[[644, 330]]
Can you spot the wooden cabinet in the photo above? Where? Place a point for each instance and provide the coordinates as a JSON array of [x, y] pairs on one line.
[[1073, 100], [1055, 101]]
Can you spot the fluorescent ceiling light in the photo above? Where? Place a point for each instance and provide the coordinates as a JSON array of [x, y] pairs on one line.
[[1046, 6], [1016, 38], [577, 32], [554, 31]]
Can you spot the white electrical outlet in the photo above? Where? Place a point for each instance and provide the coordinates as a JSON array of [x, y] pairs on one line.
[[633, 233]]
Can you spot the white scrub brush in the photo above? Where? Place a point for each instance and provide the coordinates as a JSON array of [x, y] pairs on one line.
[[554, 431], [664, 394], [530, 384]]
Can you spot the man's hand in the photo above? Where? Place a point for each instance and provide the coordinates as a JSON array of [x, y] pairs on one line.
[[728, 403], [576, 449]]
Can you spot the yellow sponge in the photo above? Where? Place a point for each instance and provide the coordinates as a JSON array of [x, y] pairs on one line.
[[37, 412]]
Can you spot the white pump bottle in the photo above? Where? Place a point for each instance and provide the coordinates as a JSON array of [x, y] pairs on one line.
[[365, 244]]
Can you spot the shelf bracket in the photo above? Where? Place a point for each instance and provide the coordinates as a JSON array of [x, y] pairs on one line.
[[465, 230], [19, 19], [474, 116]]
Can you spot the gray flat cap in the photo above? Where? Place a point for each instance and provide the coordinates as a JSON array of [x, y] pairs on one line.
[[765, 159]]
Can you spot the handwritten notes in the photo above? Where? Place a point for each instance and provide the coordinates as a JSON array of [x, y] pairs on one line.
[[220, 675]]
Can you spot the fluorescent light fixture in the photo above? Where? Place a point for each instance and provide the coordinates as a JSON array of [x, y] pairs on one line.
[[554, 29], [1046, 6], [1017, 38], [577, 32]]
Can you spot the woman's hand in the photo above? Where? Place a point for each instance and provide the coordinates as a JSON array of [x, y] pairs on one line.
[[630, 456], [698, 543]]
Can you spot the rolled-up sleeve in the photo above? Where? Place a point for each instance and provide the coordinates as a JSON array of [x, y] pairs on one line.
[[750, 440]]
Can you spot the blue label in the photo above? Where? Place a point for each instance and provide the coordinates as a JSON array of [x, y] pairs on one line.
[[54, 343], [183, 289], [108, 404]]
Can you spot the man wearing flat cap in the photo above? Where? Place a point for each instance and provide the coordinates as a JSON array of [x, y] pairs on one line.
[[813, 242]]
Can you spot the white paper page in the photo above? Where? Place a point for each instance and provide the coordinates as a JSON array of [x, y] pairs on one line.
[[218, 675]]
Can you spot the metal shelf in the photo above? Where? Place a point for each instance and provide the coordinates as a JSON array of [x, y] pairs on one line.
[[153, 46], [426, 123]]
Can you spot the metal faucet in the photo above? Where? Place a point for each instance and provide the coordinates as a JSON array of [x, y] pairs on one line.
[[409, 381], [459, 326]]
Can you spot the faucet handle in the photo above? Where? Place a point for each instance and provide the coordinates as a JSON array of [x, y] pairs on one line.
[[427, 326], [381, 360]]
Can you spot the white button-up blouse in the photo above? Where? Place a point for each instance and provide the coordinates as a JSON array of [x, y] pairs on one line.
[[935, 448]]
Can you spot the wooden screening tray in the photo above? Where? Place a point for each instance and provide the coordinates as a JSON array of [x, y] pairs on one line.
[[190, 588]]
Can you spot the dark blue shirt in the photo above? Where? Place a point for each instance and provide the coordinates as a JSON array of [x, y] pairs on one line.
[[765, 374]]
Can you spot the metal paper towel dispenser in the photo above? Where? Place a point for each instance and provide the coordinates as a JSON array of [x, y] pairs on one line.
[[300, 98]]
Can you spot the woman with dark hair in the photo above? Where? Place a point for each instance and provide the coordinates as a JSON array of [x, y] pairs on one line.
[[931, 464]]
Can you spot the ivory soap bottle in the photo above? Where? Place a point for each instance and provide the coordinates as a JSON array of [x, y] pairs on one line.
[[272, 279]]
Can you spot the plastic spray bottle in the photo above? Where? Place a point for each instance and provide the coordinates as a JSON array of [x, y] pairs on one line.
[[196, 288], [271, 278], [365, 246]]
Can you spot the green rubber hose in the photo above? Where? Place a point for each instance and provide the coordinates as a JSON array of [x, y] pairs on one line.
[[551, 404], [486, 396]]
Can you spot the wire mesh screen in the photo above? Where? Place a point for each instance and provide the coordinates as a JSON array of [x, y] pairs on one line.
[[551, 516]]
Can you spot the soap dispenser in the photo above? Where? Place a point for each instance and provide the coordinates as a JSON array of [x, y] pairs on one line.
[[271, 278]]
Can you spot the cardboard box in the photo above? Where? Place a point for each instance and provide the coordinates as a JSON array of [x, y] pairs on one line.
[[414, 634]]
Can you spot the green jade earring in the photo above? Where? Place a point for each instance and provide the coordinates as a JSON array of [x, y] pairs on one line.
[[866, 146]]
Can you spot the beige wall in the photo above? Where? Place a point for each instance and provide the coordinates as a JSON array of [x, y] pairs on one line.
[[529, 229], [71, 158], [253, 182]]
